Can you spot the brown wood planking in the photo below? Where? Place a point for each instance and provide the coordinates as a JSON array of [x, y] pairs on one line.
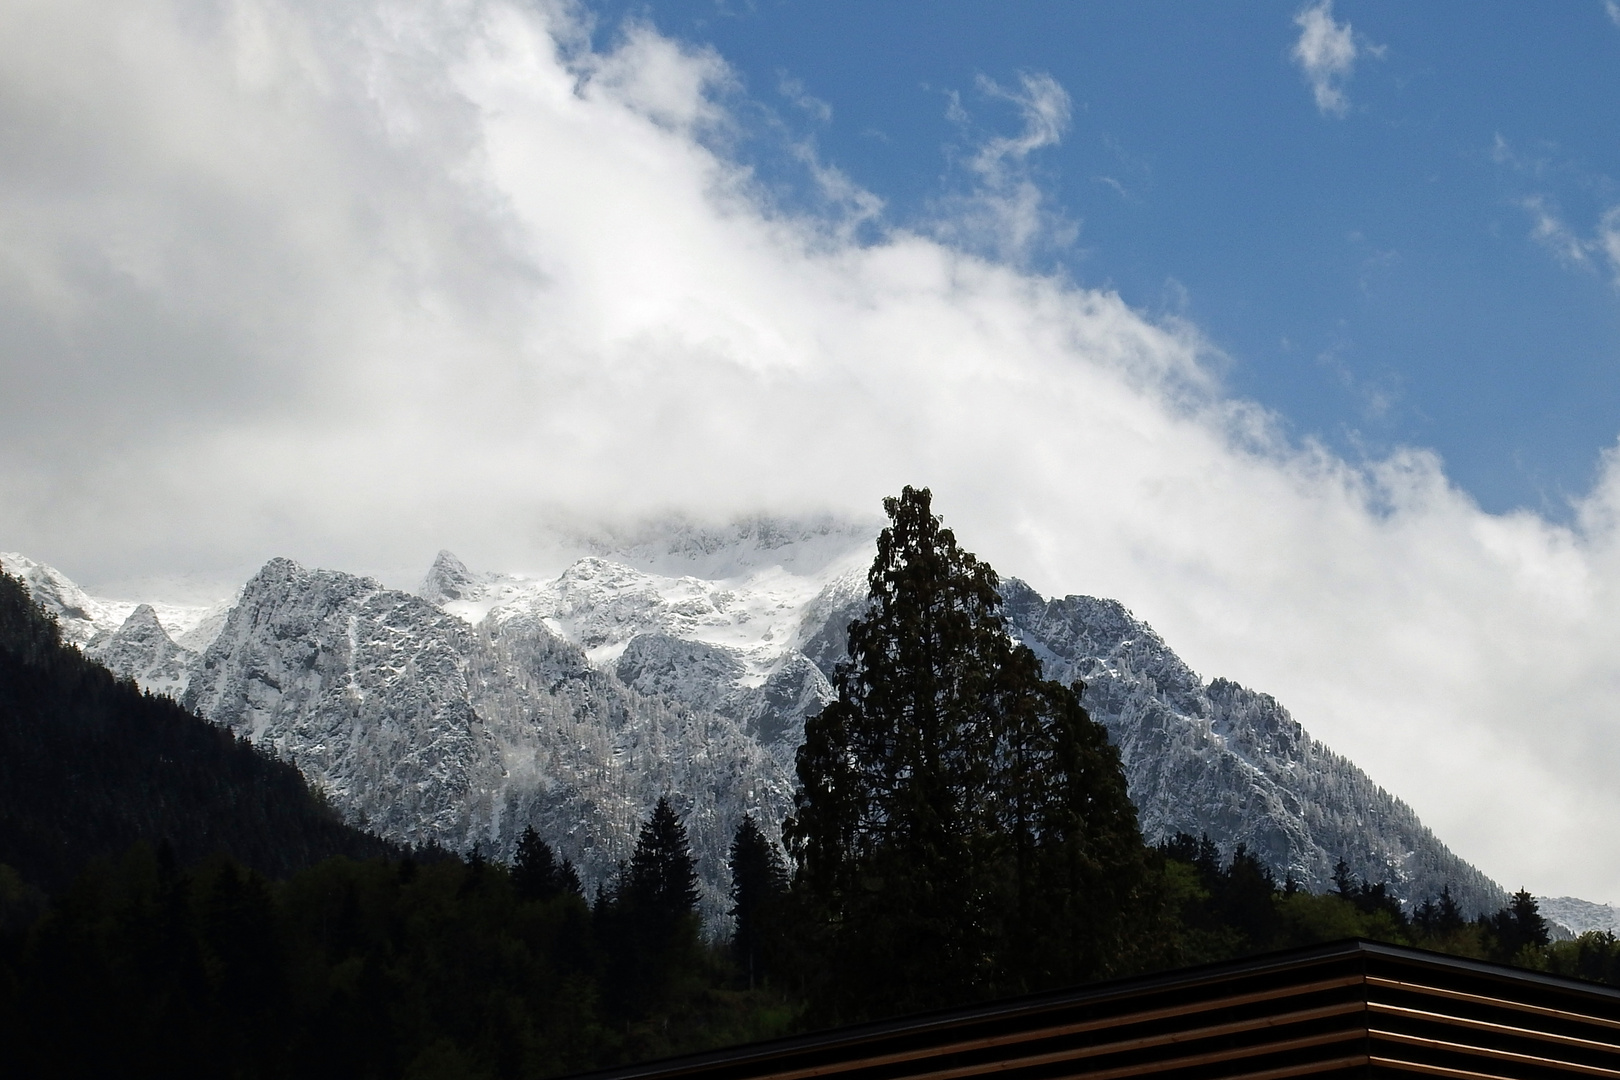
[[1149, 1042], [1432, 1070], [1493, 1002], [1493, 1053], [1306, 1069], [1061, 1030], [1262, 1019], [1494, 1028], [1216, 1057]]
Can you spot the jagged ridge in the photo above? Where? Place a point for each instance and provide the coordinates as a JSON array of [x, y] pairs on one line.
[[492, 701]]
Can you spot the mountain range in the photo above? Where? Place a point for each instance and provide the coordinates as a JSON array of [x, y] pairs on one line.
[[683, 661]]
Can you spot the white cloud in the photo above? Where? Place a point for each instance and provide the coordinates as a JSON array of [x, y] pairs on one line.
[[1326, 52], [1613, 10], [354, 281], [794, 90], [1005, 213], [1608, 240], [1551, 231], [1592, 253]]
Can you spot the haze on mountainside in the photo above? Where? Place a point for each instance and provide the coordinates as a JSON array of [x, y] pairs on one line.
[[350, 284]]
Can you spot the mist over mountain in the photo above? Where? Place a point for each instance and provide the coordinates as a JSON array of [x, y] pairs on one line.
[[682, 661]]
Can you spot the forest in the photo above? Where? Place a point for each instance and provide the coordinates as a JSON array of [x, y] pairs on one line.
[[174, 900]]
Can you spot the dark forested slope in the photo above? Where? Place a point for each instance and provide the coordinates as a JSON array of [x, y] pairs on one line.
[[89, 765]]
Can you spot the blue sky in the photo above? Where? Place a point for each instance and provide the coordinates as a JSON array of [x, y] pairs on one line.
[[1372, 274]]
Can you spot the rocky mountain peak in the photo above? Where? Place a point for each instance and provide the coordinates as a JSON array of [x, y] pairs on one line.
[[493, 701], [447, 579], [141, 649]]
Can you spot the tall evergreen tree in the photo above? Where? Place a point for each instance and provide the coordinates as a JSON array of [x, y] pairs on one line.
[[1517, 926], [960, 822], [661, 882], [536, 873], [758, 883], [1448, 918], [651, 917]]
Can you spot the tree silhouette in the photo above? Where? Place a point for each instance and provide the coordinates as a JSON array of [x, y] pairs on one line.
[[536, 873], [650, 920], [758, 883], [1517, 926], [960, 824]]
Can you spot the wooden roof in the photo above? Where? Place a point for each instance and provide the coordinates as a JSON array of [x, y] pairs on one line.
[[1352, 1009]]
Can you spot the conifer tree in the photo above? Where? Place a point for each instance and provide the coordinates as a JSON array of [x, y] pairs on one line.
[[758, 883], [650, 919], [1518, 926], [960, 824], [536, 874], [1448, 916], [661, 882]]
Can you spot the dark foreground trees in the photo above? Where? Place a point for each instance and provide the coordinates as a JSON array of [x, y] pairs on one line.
[[145, 967], [962, 827]]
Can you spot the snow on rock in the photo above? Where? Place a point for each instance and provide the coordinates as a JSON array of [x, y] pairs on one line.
[[154, 644], [1579, 916], [142, 650], [80, 615], [683, 661], [430, 730], [1220, 759]]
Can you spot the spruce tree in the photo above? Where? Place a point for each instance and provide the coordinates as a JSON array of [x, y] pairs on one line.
[[661, 882], [961, 825], [1448, 916], [758, 883], [535, 873], [650, 920], [1516, 927]]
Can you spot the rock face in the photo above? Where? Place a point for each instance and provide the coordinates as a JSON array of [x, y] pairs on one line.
[[142, 650], [1579, 916], [1221, 759], [684, 663], [431, 730], [84, 618], [81, 616]]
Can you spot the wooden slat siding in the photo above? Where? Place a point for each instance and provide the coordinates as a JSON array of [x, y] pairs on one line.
[[858, 1048], [1061, 1030], [1488, 1026], [1493, 1053], [1299, 1014], [1493, 1002], [1430, 1070], [1150, 1042], [1330, 1065], [1216, 1057]]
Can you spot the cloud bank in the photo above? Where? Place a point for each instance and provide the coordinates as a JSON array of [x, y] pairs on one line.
[[353, 281]]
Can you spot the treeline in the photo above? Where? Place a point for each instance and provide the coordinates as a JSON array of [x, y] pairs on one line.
[[379, 968], [468, 968], [1236, 907]]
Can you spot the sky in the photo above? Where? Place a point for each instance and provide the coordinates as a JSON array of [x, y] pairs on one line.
[[1293, 327]]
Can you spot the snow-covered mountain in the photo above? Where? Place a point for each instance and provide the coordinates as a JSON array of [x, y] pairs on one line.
[[1579, 916], [683, 661], [83, 617], [432, 729]]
